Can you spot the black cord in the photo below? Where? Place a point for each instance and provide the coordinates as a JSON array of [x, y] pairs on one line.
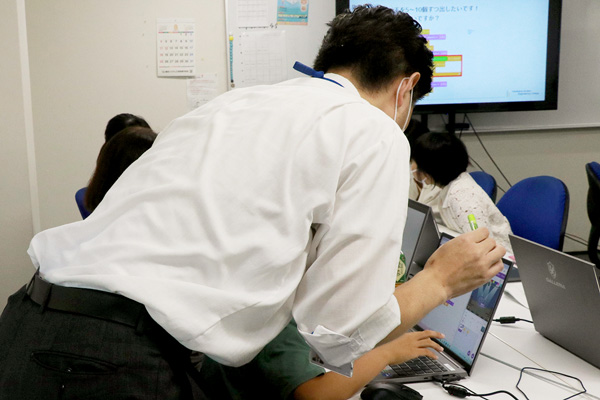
[[510, 320], [462, 126], [551, 372], [486, 151], [481, 169], [461, 391], [576, 238], [475, 162]]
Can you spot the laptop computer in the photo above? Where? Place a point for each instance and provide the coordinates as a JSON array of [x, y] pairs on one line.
[[563, 293], [421, 237], [465, 320]]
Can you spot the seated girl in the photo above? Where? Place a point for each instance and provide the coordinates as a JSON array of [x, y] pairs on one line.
[[120, 151], [439, 165]]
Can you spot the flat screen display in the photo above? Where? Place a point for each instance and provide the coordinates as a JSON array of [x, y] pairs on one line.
[[489, 55]]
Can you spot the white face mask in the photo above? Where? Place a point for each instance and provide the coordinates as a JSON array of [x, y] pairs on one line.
[[423, 181], [429, 193], [409, 105]]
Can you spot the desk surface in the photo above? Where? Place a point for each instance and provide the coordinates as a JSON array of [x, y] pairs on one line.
[[508, 348]]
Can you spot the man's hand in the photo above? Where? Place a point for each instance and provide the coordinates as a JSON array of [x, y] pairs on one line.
[[465, 262], [459, 266]]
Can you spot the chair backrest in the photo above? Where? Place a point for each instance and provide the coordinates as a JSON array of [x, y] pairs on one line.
[[593, 197], [487, 182], [592, 170], [79, 196], [537, 209]]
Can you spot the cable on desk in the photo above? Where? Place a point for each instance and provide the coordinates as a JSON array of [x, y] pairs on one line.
[[524, 355], [540, 377], [554, 373], [461, 391], [510, 320], [564, 383]]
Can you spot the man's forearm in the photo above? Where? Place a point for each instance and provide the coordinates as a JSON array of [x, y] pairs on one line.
[[416, 298]]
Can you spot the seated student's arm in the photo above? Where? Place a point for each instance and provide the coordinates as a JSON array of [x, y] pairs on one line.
[[459, 266], [332, 386]]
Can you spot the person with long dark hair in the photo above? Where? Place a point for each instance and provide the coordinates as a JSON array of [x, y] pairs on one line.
[[121, 121], [115, 156]]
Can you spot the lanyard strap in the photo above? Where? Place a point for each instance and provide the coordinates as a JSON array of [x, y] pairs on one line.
[[305, 69]]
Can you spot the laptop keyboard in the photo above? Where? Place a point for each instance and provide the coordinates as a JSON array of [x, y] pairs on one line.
[[419, 366]]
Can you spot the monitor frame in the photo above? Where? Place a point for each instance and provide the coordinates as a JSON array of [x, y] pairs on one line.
[[552, 74]]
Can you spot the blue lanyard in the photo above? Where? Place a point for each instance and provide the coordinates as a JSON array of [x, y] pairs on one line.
[[305, 69]]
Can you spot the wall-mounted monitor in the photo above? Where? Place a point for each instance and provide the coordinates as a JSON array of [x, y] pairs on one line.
[[489, 55]]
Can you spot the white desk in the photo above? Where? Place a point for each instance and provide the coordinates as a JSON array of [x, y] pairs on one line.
[[541, 352], [516, 346]]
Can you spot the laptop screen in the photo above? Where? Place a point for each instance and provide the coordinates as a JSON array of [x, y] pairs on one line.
[[420, 237], [465, 319], [415, 218]]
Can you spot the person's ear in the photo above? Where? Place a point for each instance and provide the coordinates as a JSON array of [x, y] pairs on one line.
[[406, 86]]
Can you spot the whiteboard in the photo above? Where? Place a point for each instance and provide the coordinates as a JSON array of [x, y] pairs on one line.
[[261, 50], [579, 70]]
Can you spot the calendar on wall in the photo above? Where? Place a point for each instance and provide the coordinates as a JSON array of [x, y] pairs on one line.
[[175, 47]]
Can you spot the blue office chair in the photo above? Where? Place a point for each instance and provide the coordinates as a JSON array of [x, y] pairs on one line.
[[79, 195], [487, 182], [593, 208], [537, 209]]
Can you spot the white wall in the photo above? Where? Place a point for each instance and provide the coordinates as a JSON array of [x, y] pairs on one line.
[[16, 220], [91, 60]]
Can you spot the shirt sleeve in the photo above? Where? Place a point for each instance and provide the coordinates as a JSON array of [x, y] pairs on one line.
[[344, 304], [275, 372]]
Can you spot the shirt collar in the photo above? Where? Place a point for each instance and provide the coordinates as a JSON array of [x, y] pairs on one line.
[[343, 81]]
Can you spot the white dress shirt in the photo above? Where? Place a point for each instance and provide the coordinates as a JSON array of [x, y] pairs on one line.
[[266, 203]]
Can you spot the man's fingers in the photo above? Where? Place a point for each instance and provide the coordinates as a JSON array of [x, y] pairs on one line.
[[478, 235], [498, 252], [496, 268]]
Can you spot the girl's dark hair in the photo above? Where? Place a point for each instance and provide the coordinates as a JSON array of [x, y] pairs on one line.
[[378, 44], [121, 121], [441, 155], [114, 158]]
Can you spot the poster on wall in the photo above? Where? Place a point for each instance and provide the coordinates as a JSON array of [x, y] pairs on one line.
[[201, 89], [292, 12], [253, 13], [175, 47], [264, 38], [261, 57]]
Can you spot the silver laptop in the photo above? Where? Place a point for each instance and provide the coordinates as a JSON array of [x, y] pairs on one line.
[[420, 238], [563, 293], [465, 321]]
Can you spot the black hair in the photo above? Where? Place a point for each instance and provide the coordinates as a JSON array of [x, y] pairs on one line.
[[415, 129], [378, 44], [442, 155], [115, 156], [121, 121]]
